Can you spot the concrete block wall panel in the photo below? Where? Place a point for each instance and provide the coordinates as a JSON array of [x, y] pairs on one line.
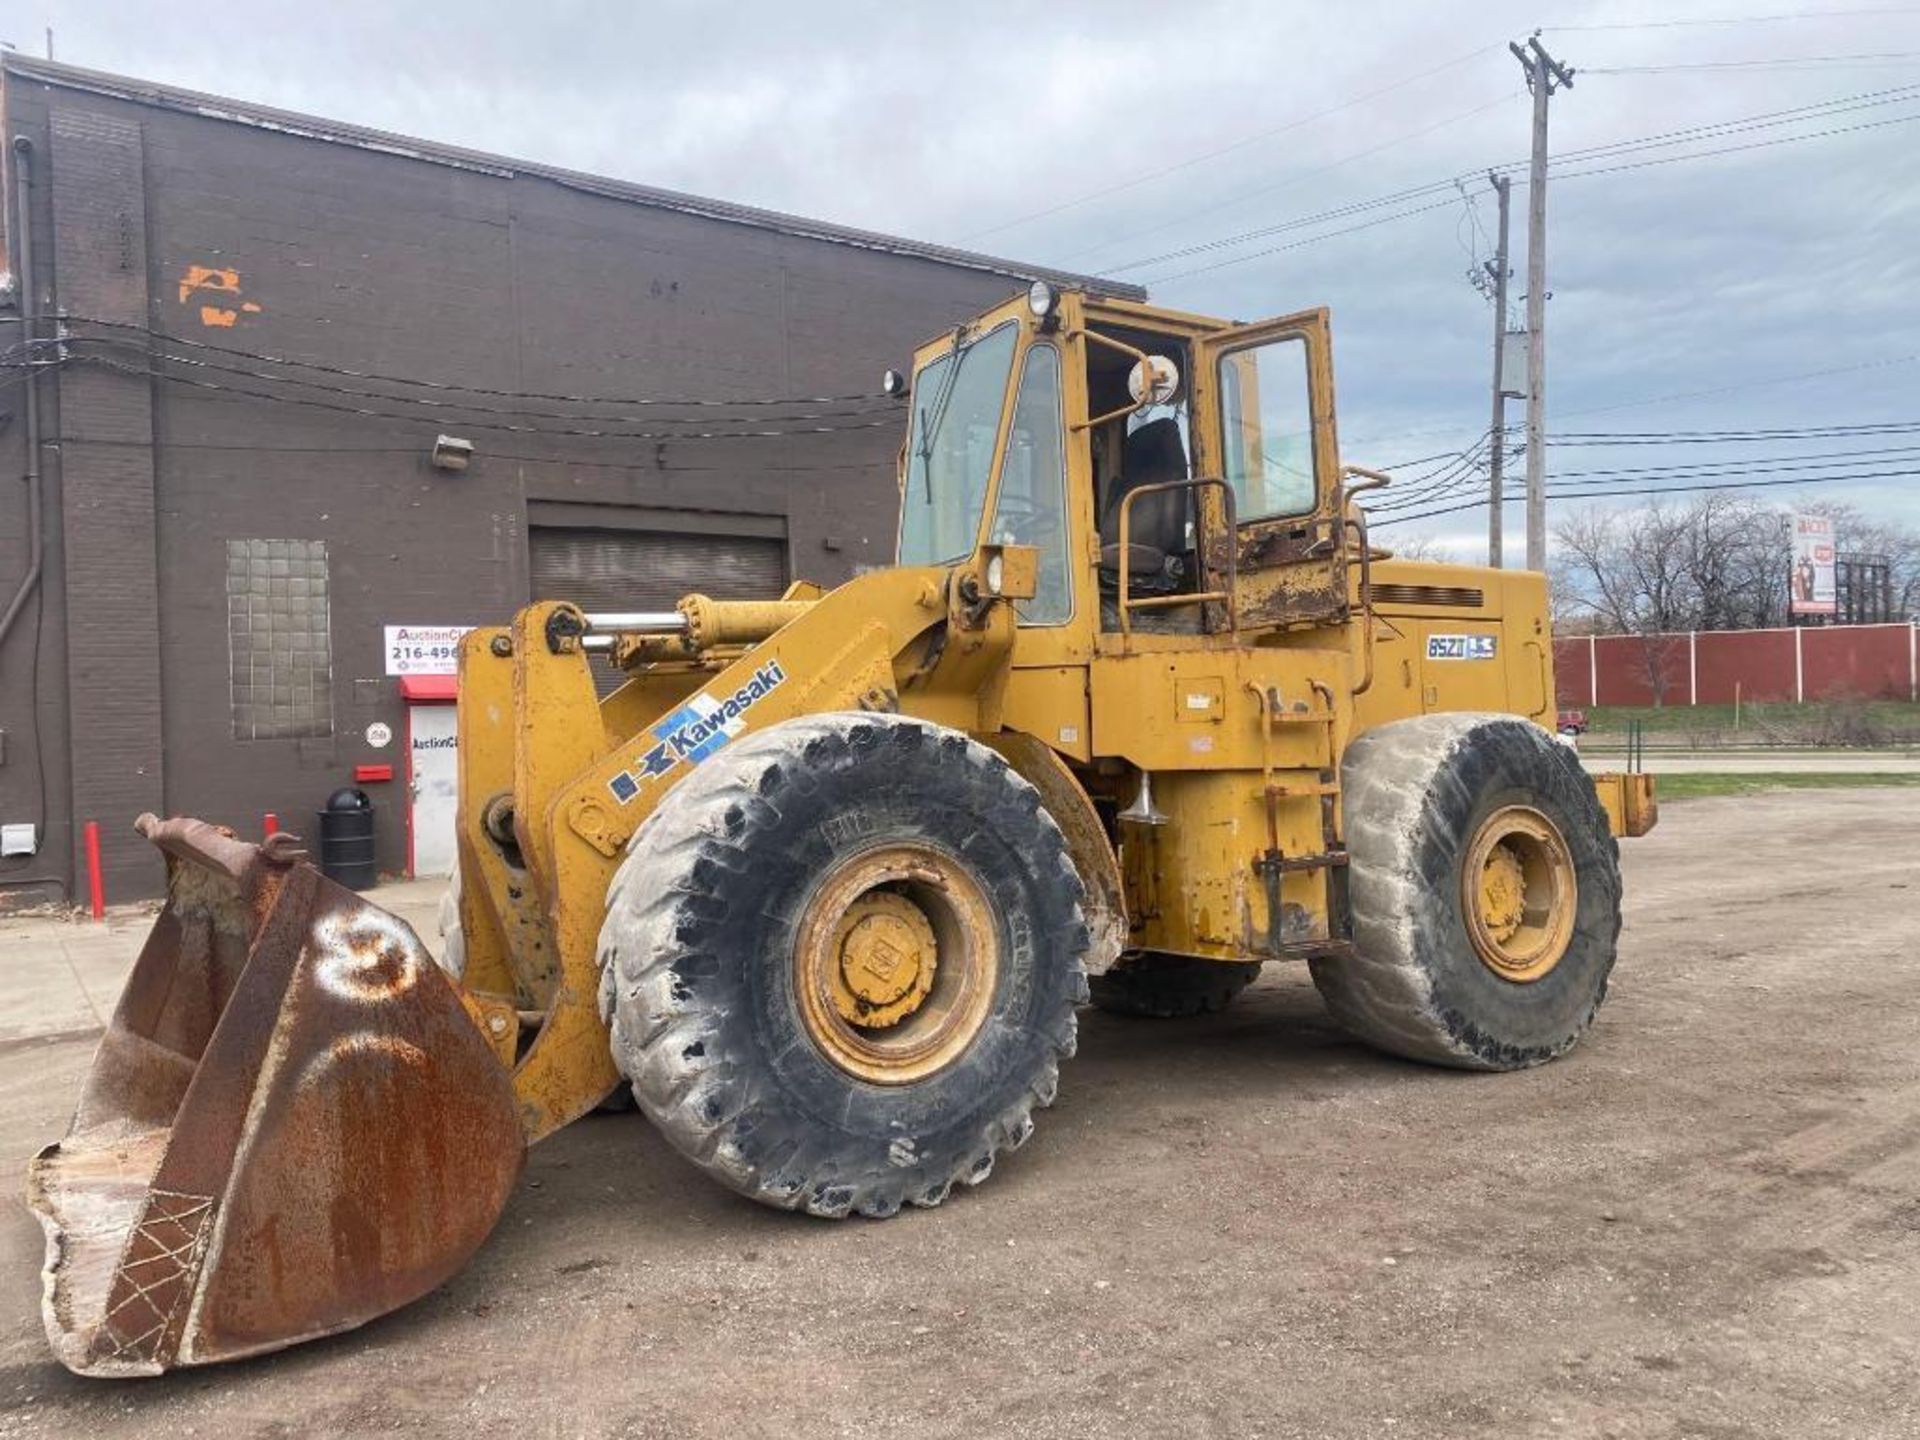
[[1874, 662], [1572, 671], [1642, 670], [1758, 662], [1863, 661], [106, 429]]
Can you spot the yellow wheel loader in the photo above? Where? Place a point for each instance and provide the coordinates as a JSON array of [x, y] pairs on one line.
[[825, 880]]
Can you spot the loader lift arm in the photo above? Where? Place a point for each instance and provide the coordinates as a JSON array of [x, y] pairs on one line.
[[533, 729]]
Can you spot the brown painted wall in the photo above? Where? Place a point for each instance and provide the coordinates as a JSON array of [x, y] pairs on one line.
[[1869, 661], [384, 263]]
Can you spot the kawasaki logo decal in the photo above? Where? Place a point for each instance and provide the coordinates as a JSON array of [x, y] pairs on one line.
[[696, 730]]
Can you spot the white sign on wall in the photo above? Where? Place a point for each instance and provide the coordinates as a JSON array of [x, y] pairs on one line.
[[424, 649]]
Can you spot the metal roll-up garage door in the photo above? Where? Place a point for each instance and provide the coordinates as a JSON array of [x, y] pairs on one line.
[[650, 570]]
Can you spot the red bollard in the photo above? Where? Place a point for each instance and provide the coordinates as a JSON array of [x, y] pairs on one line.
[[272, 827], [95, 890]]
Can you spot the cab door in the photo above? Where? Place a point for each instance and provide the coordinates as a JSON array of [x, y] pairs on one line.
[[1264, 395]]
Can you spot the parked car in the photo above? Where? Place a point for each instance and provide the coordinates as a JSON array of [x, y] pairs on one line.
[[1572, 722]]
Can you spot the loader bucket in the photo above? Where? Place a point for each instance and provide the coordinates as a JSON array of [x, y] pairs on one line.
[[291, 1126]]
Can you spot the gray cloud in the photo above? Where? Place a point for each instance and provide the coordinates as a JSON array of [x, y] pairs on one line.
[[946, 122]]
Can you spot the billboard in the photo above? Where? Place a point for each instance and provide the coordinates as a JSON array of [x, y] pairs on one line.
[[1810, 581]]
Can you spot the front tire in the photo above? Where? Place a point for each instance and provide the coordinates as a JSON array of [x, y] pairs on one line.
[[841, 961], [1485, 893]]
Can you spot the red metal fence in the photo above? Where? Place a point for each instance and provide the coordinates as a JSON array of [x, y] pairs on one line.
[[1709, 667]]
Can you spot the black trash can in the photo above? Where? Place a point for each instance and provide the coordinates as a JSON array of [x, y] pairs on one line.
[[346, 839]]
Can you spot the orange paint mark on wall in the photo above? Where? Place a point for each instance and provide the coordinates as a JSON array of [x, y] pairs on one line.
[[200, 279], [205, 277]]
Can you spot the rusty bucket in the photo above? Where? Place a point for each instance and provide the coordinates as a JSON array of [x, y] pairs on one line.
[[292, 1125]]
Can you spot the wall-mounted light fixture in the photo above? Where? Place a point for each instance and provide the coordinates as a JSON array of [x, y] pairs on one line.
[[450, 452]]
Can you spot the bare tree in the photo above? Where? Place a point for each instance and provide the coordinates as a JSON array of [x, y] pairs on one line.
[[1630, 570], [1423, 547]]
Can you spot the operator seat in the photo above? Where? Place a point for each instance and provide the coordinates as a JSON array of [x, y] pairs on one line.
[[1156, 524]]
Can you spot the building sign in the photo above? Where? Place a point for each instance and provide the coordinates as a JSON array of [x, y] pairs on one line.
[[424, 649], [1810, 582]]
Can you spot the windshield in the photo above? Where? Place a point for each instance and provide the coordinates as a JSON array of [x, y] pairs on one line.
[[956, 420]]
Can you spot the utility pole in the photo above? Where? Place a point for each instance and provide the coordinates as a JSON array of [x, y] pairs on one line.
[[1544, 75], [1497, 271]]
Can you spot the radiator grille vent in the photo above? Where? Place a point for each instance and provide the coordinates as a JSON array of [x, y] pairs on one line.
[[1462, 596]]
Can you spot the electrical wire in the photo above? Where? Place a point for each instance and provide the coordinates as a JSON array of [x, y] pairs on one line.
[[1839, 105], [150, 373], [1842, 105], [443, 385], [1189, 214], [1739, 465], [650, 465], [1730, 437], [1795, 62], [1736, 20], [463, 407], [1419, 496], [1552, 494], [1253, 139]]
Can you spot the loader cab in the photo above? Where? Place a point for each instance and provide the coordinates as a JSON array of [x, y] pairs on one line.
[[1177, 475]]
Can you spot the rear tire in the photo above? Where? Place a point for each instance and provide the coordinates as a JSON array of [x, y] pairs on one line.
[[1417, 796], [1170, 987], [717, 908]]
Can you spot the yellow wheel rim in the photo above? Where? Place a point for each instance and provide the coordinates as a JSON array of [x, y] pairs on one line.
[[895, 964], [1519, 894]]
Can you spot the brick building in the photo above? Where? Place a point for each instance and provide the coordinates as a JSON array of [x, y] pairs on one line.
[[239, 335]]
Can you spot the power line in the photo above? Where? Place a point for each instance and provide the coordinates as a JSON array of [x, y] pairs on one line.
[[1843, 104], [1894, 57], [1646, 400], [1228, 149], [1423, 495], [480, 455], [462, 407], [150, 373], [1190, 214], [1739, 465], [1417, 192], [1558, 175], [449, 386], [1856, 478], [1745, 385], [1740, 19]]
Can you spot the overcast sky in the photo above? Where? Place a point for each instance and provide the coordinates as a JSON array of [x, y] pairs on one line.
[[1097, 136]]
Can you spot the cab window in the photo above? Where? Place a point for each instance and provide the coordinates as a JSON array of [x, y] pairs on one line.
[[1266, 419], [957, 404], [1032, 507]]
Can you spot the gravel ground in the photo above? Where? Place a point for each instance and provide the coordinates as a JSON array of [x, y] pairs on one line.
[[1705, 1222]]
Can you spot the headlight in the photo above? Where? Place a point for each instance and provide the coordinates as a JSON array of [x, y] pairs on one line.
[[893, 383], [996, 572], [1042, 299]]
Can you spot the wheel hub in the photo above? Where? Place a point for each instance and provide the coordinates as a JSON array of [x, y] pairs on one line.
[[888, 954], [1519, 894], [896, 960], [1503, 892]]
